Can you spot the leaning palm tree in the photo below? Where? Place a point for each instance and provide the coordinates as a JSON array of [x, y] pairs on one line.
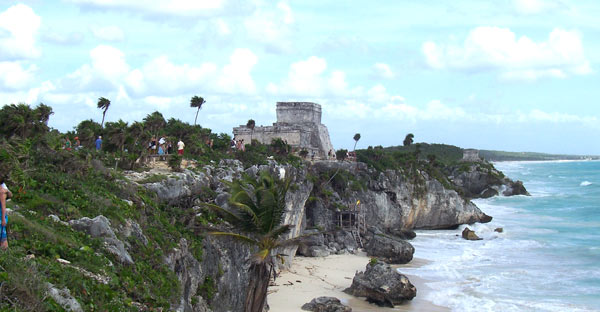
[[197, 101], [257, 209], [103, 103]]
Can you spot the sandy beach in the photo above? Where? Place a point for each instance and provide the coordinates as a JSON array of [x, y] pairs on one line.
[[309, 278]]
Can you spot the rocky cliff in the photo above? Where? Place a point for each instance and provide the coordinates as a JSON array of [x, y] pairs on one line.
[[482, 180], [391, 200]]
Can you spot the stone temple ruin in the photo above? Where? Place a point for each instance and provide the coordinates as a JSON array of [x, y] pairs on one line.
[[471, 155], [298, 123]]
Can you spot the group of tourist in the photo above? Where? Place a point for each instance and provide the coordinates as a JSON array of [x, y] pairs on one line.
[[164, 147], [76, 145], [237, 145]]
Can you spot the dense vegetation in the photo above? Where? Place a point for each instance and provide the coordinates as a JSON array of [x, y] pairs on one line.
[[46, 178]]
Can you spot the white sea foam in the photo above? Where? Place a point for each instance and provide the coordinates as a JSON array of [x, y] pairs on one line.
[[585, 183]]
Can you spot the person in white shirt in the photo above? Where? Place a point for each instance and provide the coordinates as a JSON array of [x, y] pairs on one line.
[[180, 146]]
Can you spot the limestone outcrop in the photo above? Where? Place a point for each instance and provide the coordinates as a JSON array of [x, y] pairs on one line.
[[389, 200], [481, 180], [100, 227], [383, 285]]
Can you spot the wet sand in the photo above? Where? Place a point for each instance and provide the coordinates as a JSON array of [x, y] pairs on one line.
[[309, 278]]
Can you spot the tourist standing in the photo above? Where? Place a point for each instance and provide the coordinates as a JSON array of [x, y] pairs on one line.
[[180, 146], [99, 143], [77, 144], [67, 144], [4, 194]]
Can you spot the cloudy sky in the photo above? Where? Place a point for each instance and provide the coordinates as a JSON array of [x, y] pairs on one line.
[[518, 75]]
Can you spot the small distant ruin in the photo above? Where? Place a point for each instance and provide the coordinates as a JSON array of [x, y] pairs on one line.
[[298, 124], [471, 155]]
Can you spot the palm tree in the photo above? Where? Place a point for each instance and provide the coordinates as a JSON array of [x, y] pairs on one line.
[[251, 124], [257, 209], [356, 138], [103, 103], [197, 101], [408, 140]]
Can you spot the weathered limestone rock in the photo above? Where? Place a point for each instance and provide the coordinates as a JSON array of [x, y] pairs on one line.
[[468, 234], [326, 304], [390, 250], [63, 298], [483, 181], [382, 285], [100, 227], [132, 228], [515, 188], [389, 200]]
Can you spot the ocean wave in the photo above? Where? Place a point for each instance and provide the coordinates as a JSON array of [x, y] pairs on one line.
[[585, 183]]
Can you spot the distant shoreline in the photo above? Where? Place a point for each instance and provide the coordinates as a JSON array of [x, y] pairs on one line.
[[544, 161]]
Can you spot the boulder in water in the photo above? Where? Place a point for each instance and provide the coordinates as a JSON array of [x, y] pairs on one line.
[[468, 234]]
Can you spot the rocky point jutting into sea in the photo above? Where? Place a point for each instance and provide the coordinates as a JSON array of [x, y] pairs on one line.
[[391, 206]]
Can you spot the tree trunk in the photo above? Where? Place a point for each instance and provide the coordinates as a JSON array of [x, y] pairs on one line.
[[102, 124], [195, 119], [256, 296]]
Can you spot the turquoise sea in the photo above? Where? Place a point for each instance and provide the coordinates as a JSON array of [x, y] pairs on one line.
[[547, 258]]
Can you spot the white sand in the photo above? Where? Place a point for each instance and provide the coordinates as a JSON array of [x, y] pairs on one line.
[[309, 278]]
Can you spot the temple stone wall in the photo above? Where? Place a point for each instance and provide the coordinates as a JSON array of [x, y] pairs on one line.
[[298, 112], [298, 124], [471, 155]]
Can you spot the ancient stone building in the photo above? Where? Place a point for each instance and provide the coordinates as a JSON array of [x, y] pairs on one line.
[[471, 155], [298, 123]]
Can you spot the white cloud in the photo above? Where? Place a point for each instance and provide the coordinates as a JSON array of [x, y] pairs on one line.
[[272, 27], [499, 49], [235, 76], [109, 71], [309, 78], [382, 70], [13, 76], [109, 33], [20, 24]]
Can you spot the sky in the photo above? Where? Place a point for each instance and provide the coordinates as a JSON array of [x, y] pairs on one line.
[[514, 75]]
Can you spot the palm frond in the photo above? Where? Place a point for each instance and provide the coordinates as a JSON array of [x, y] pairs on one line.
[[240, 237], [296, 240], [224, 213], [249, 212]]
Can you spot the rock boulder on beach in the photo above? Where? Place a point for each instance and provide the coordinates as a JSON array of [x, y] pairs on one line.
[[383, 285], [390, 250], [326, 304]]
